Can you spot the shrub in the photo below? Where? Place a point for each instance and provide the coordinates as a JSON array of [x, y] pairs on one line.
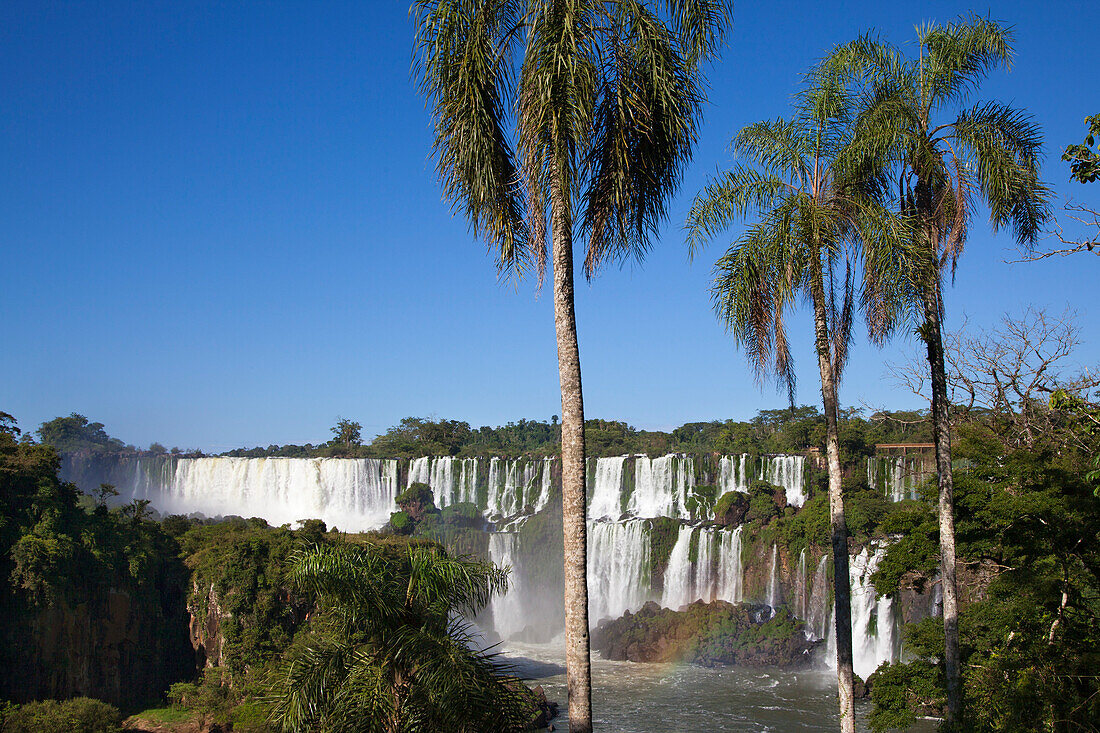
[[401, 523], [79, 715], [417, 493]]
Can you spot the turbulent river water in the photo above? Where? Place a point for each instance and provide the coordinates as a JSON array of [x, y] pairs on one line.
[[659, 698]]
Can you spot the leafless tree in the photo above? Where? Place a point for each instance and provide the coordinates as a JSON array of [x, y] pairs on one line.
[[1004, 376], [1087, 240]]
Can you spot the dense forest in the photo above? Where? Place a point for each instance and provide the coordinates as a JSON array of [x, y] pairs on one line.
[[784, 430]]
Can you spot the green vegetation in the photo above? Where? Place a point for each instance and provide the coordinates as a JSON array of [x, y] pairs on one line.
[[1028, 522], [1083, 158], [705, 633], [78, 715], [67, 562], [384, 653]]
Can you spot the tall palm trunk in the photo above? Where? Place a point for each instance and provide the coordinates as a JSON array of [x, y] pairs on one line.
[[941, 428], [841, 579], [578, 670], [932, 301]]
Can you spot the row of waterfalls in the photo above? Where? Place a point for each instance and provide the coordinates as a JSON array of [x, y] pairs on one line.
[[651, 535], [899, 477], [358, 493]]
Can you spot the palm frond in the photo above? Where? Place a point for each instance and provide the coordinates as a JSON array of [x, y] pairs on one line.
[[959, 55], [1003, 145], [644, 133], [463, 65], [736, 194], [778, 146], [700, 27]]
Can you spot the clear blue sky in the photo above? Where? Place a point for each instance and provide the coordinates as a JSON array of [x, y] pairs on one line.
[[220, 226]]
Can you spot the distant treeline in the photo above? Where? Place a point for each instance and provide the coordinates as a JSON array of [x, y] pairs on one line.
[[789, 430], [792, 430]]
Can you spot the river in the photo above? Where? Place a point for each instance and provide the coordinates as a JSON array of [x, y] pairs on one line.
[[629, 697]]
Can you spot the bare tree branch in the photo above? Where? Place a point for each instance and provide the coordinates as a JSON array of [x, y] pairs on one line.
[[1084, 242]]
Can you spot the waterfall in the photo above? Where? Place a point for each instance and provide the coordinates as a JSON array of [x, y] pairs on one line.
[[800, 587], [453, 480], [543, 497], [607, 488], [733, 474], [817, 619], [774, 590], [354, 494], [874, 637], [678, 578], [787, 472], [661, 486], [618, 568], [730, 573], [686, 581], [507, 607], [899, 477]]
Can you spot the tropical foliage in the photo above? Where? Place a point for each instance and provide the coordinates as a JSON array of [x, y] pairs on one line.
[[387, 651]]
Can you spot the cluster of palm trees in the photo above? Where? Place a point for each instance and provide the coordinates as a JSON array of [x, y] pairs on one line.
[[582, 115]]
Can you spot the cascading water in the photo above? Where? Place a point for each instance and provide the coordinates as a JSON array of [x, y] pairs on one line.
[[800, 610], [686, 581], [355, 494], [874, 637], [507, 607], [736, 473], [730, 573], [607, 488], [618, 568], [786, 471], [817, 619], [733, 474], [661, 486], [774, 590], [899, 477], [453, 480]]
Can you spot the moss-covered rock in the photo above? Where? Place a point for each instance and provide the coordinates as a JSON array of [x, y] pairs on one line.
[[708, 634]]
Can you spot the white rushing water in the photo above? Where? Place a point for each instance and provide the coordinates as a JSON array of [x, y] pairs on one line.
[[353, 494], [801, 609], [737, 473], [453, 480], [618, 568], [774, 589], [507, 608], [817, 618], [874, 624], [730, 573], [607, 489], [512, 485], [661, 486], [899, 477]]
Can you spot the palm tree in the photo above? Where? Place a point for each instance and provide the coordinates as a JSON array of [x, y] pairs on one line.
[[819, 208], [389, 652], [945, 156], [585, 113]]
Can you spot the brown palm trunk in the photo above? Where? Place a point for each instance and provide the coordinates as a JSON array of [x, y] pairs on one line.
[[841, 580], [941, 428], [578, 671]]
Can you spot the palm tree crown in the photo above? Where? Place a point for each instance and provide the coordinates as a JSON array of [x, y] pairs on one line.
[[818, 196], [598, 100]]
